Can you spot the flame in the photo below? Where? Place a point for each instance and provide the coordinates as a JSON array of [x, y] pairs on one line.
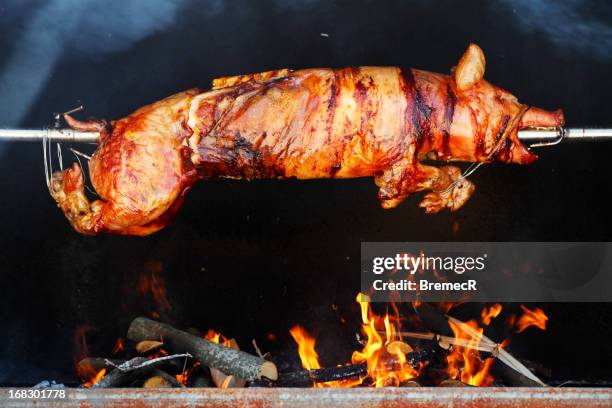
[[384, 369], [151, 281], [96, 378], [535, 317], [488, 314], [217, 337], [464, 363], [310, 358], [184, 378], [306, 348]]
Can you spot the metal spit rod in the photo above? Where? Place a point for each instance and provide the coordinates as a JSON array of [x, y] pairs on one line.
[[531, 137], [52, 134], [550, 137]]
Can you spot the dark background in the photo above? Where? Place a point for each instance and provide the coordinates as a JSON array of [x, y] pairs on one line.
[[256, 258]]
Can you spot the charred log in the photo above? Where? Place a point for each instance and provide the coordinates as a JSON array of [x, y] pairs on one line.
[[227, 360], [307, 378]]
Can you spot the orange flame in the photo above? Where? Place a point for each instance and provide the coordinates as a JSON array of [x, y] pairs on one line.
[[464, 363], [535, 317], [306, 348], [488, 314], [96, 378], [217, 338], [310, 358], [184, 378], [384, 369]]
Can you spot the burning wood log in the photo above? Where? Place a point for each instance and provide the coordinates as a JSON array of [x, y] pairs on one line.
[[307, 378], [133, 369], [227, 360]]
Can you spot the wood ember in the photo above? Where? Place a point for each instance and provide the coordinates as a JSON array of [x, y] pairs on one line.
[[227, 360]]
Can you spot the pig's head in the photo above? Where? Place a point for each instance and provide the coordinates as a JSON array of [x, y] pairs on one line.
[[486, 119]]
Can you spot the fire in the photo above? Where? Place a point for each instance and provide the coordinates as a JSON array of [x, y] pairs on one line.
[[306, 348], [217, 338], [384, 368], [184, 377], [96, 378], [386, 363], [488, 314], [464, 363], [535, 317], [310, 358]]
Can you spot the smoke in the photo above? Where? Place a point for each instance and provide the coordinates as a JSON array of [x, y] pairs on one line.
[[572, 25], [55, 26]]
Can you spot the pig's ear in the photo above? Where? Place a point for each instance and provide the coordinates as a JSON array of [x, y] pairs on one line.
[[470, 69]]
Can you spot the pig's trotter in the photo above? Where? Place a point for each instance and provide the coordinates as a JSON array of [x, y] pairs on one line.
[[453, 193]]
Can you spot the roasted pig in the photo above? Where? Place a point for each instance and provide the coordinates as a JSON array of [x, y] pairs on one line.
[[314, 123]]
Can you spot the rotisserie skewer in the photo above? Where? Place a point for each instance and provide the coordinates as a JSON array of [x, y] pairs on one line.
[[531, 137]]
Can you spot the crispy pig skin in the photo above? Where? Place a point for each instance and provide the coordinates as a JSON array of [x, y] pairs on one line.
[[315, 123]]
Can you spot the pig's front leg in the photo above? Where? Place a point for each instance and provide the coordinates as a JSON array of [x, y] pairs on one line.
[[449, 189], [405, 177]]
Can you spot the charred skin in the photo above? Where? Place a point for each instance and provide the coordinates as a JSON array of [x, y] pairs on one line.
[[314, 123]]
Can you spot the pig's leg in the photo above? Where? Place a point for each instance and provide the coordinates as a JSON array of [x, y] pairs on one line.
[[449, 189], [67, 188]]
